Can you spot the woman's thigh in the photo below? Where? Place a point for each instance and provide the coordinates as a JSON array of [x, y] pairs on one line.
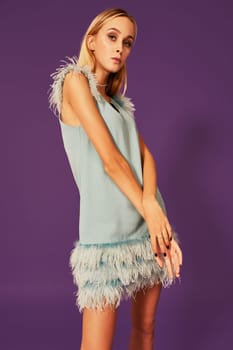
[[98, 327]]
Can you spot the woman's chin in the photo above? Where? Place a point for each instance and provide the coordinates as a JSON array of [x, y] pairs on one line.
[[114, 67]]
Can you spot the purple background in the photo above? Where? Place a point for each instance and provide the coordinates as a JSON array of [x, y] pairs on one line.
[[180, 79]]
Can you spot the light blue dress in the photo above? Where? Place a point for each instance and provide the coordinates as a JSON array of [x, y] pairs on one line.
[[112, 258]]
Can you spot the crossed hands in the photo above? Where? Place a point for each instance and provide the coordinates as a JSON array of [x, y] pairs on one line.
[[163, 242]]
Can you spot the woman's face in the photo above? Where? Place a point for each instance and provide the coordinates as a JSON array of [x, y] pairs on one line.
[[112, 44]]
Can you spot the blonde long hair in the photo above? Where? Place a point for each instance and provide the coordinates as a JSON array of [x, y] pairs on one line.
[[115, 80]]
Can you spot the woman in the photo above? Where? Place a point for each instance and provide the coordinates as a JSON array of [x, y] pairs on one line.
[[126, 246]]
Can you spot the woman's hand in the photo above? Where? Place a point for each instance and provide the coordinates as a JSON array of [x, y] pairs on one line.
[[164, 245], [173, 259]]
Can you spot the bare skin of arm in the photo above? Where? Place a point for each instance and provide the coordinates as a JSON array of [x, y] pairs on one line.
[[77, 94], [149, 200], [155, 217]]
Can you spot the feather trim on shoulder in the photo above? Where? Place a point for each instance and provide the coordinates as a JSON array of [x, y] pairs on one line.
[[126, 103], [55, 90]]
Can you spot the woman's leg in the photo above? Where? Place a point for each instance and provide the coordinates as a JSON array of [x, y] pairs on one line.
[[98, 328], [142, 312]]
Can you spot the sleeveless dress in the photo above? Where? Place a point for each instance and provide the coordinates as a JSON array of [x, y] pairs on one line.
[[113, 258]]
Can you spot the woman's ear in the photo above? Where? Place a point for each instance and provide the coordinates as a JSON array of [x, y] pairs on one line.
[[91, 42]]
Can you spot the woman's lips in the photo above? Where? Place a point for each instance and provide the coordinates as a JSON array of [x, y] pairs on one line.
[[116, 60]]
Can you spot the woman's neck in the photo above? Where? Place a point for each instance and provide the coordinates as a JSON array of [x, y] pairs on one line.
[[102, 79]]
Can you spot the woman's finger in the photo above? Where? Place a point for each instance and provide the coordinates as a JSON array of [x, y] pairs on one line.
[[175, 262], [168, 229], [178, 250], [154, 245], [166, 237], [158, 255], [159, 260], [156, 250], [169, 266], [160, 241]]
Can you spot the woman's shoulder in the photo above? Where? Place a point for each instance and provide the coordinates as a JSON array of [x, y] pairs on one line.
[[69, 65], [58, 77]]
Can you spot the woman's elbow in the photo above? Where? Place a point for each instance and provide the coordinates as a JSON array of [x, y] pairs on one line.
[[114, 161]]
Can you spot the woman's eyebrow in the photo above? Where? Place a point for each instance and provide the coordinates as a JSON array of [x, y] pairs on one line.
[[117, 30]]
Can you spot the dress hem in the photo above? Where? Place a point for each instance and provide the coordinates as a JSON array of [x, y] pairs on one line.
[[107, 273]]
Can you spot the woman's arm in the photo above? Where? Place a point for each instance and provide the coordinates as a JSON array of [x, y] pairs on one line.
[[149, 171], [155, 217], [76, 93]]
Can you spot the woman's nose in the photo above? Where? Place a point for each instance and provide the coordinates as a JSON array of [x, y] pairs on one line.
[[119, 48]]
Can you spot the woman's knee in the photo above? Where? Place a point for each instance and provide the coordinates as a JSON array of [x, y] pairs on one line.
[[145, 325], [143, 310]]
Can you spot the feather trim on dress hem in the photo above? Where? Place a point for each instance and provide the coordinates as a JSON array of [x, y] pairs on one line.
[[106, 274]]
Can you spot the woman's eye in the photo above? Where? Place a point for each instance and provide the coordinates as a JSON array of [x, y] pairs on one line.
[[112, 37], [128, 43]]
